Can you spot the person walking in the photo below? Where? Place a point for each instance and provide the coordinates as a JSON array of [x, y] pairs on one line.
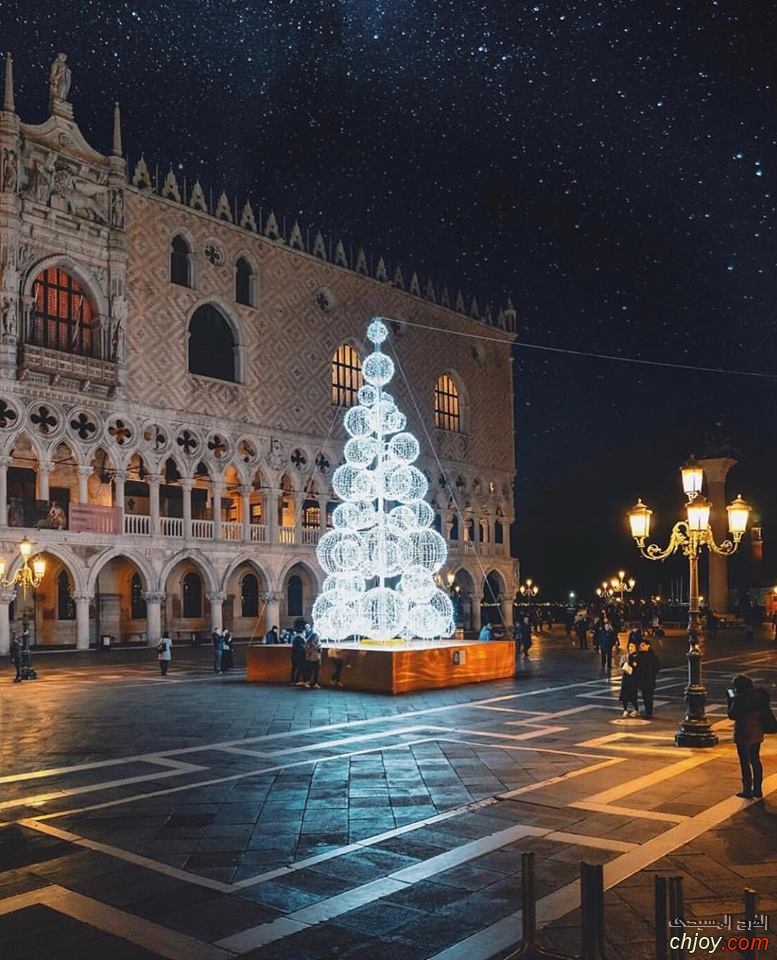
[[227, 655], [524, 636], [581, 632], [629, 689], [218, 650], [164, 652], [16, 658], [747, 705], [607, 640], [648, 666]]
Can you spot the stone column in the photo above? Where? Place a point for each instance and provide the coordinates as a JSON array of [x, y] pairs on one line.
[[271, 511], [82, 601], [119, 479], [245, 511], [44, 469], [154, 480], [7, 596], [186, 486], [476, 621], [218, 490], [322, 505], [83, 489], [298, 500], [507, 611], [154, 603], [4, 464], [272, 610], [715, 471], [216, 613]]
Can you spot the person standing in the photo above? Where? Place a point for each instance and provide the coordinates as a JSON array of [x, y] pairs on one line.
[[486, 633], [581, 631], [218, 650], [524, 636], [164, 653], [298, 659], [16, 658], [227, 657], [629, 688], [313, 659], [606, 639], [272, 636], [648, 666], [747, 705]]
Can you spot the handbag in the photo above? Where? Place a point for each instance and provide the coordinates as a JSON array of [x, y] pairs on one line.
[[768, 720]]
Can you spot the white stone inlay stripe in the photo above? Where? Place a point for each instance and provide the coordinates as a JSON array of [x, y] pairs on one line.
[[144, 933]]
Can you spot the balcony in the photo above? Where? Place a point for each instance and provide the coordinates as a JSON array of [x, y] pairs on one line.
[[287, 536], [231, 530], [171, 526], [90, 518], [202, 529]]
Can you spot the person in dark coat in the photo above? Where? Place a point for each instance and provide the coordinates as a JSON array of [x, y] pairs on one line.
[[298, 666], [227, 654], [629, 688], [746, 706], [581, 631], [523, 636], [606, 640], [648, 666], [16, 658]]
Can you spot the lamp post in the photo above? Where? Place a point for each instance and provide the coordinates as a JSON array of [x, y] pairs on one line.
[[620, 585], [689, 536], [530, 591], [25, 576]]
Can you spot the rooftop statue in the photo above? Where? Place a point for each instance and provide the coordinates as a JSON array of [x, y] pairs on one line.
[[59, 78]]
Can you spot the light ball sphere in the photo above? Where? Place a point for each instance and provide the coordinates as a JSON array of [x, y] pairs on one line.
[[361, 451], [358, 421], [429, 549], [404, 448], [354, 515], [382, 611], [367, 395], [386, 553], [377, 369], [351, 483], [340, 551], [377, 331], [417, 584]]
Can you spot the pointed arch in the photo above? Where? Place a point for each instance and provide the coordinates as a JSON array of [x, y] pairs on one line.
[[215, 346], [181, 260], [450, 409], [246, 280], [347, 375], [150, 579], [195, 557]]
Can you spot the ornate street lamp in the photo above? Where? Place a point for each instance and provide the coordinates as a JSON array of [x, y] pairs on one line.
[[530, 591], [689, 536], [620, 585], [24, 576]]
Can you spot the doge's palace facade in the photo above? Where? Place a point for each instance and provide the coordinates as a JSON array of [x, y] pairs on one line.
[[173, 373]]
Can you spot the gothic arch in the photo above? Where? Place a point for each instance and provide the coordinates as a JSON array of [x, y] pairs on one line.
[[234, 564], [199, 560], [280, 582], [226, 312], [129, 553], [193, 265], [79, 273], [36, 448], [66, 556], [463, 398], [252, 299]]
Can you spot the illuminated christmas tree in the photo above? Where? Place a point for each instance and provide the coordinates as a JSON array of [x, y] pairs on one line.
[[382, 555]]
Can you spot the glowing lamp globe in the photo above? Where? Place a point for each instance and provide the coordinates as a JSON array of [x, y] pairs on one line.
[[698, 511], [738, 515]]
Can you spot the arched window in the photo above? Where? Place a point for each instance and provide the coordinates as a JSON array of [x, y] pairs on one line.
[[447, 409], [66, 609], [294, 597], [454, 534], [346, 376], [499, 536], [180, 262], [62, 315], [311, 515], [211, 344], [192, 596], [249, 596], [137, 600], [244, 283]]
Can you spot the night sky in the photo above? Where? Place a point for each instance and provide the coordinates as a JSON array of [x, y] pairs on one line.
[[611, 166]]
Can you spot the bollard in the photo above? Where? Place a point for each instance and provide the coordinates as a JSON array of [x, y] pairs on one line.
[[661, 921], [676, 912], [528, 901], [750, 908], [592, 910]]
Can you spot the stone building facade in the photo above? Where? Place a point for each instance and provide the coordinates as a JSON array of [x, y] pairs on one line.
[[173, 377]]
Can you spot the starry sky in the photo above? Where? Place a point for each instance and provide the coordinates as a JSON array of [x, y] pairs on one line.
[[610, 165]]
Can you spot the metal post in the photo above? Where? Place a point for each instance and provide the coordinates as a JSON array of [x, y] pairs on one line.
[[592, 910], [528, 902], [695, 729], [660, 917], [750, 907], [676, 912]]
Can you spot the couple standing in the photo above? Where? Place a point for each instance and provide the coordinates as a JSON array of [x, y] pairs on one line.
[[639, 670]]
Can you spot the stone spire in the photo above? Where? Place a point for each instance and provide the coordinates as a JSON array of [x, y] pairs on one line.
[[8, 104], [116, 150]]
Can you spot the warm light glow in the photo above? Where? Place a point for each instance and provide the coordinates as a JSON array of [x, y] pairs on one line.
[[621, 574], [2, 571], [25, 549], [698, 511], [639, 518], [738, 515], [39, 567], [693, 475]]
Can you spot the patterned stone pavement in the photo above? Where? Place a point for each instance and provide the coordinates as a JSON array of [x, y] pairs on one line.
[[198, 816]]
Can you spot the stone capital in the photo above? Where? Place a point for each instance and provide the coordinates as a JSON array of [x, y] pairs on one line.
[[7, 594], [82, 597], [85, 471], [5, 462], [216, 597], [46, 466], [120, 475], [153, 597]]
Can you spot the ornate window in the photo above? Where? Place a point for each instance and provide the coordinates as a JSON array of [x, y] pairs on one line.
[[66, 609], [346, 376], [294, 597], [192, 596], [245, 280], [249, 596], [180, 262], [311, 515], [212, 350], [137, 600], [447, 408], [62, 315]]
